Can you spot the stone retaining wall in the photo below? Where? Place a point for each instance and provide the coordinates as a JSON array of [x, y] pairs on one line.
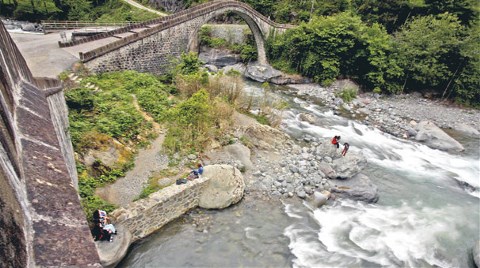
[[146, 216]]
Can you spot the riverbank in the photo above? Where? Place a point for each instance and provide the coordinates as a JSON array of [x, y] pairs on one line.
[[393, 114]]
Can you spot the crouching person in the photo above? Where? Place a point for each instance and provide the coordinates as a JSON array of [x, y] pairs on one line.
[[103, 229]]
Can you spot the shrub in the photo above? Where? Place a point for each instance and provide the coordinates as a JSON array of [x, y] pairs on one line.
[[348, 94]]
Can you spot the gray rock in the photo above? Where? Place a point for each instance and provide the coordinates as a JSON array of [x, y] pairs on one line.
[[29, 27], [349, 166], [476, 253], [261, 73], [320, 198], [307, 118], [468, 130], [302, 194], [225, 187], [358, 188], [111, 253], [239, 67], [327, 170], [211, 68], [435, 138], [191, 157]]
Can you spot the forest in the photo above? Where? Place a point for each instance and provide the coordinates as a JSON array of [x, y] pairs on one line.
[[394, 46]]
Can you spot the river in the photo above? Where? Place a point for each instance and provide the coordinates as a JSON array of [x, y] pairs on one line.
[[424, 217]]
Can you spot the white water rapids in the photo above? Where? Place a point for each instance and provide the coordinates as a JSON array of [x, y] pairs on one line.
[[423, 218]]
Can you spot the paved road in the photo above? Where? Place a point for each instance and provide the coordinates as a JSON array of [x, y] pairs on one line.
[[137, 5], [43, 55]]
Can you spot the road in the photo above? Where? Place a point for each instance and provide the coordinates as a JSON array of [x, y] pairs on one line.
[[43, 55], [137, 5]]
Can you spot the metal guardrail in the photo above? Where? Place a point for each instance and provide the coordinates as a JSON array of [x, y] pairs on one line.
[[50, 25]]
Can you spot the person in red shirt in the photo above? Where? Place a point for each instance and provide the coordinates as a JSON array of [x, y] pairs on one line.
[[335, 141]]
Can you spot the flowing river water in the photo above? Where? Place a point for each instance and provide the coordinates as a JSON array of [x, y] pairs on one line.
[[424, 217]]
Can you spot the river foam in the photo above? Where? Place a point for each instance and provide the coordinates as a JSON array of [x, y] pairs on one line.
[[388, 151], [357, 234]]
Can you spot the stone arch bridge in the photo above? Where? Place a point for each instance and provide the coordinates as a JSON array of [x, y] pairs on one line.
[[150, 46], [41, 219]]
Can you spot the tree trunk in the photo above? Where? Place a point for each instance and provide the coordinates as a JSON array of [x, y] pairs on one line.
[[451, 79]]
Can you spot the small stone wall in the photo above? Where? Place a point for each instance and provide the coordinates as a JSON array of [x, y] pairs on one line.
[[146, 216]]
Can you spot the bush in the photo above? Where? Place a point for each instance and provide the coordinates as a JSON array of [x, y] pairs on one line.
[[348, 94]]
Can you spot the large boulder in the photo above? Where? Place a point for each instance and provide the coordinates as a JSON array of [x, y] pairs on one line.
[[218, 57], [467, 130], [350, 165], [263, 137], [435, 138], [261, 73], [224, 188], [234, 153], [285, 79], [111, 253], [327, 149], [476, 253], [358, 188]]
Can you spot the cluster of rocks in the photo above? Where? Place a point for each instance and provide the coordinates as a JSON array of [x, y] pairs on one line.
[[316, 167], [286, 170], [22, 25], [403, 116]]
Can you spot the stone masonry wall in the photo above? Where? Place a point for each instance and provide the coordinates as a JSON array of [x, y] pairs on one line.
[[59, 110], [42, 222], [154, 53], [146, 216]]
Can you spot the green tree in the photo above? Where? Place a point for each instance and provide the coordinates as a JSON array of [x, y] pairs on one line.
[[428, 50], [338, 45], [466, 79]]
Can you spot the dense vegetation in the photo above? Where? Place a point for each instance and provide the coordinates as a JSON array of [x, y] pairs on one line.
[[194, 106], [84, 10], [107, 119], [386, 46], [247, 50]]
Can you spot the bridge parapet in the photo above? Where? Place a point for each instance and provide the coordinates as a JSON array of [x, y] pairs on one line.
[[179, 17], [42, 222]]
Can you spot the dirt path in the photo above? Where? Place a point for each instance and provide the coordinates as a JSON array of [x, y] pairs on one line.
[[148, 160], [137, 5]]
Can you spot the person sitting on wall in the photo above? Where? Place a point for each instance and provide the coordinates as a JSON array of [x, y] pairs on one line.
[[195, 174]]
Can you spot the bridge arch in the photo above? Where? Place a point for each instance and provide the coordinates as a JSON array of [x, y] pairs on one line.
[[151, 49], [259, 35]]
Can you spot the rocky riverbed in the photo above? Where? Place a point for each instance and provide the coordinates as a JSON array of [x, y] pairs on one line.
[[397, 114]]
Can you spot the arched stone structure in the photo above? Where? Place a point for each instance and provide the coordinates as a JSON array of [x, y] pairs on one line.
[[257, 32], [152, 49]]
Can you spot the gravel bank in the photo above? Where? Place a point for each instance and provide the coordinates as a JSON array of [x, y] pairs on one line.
[[392, 114]]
